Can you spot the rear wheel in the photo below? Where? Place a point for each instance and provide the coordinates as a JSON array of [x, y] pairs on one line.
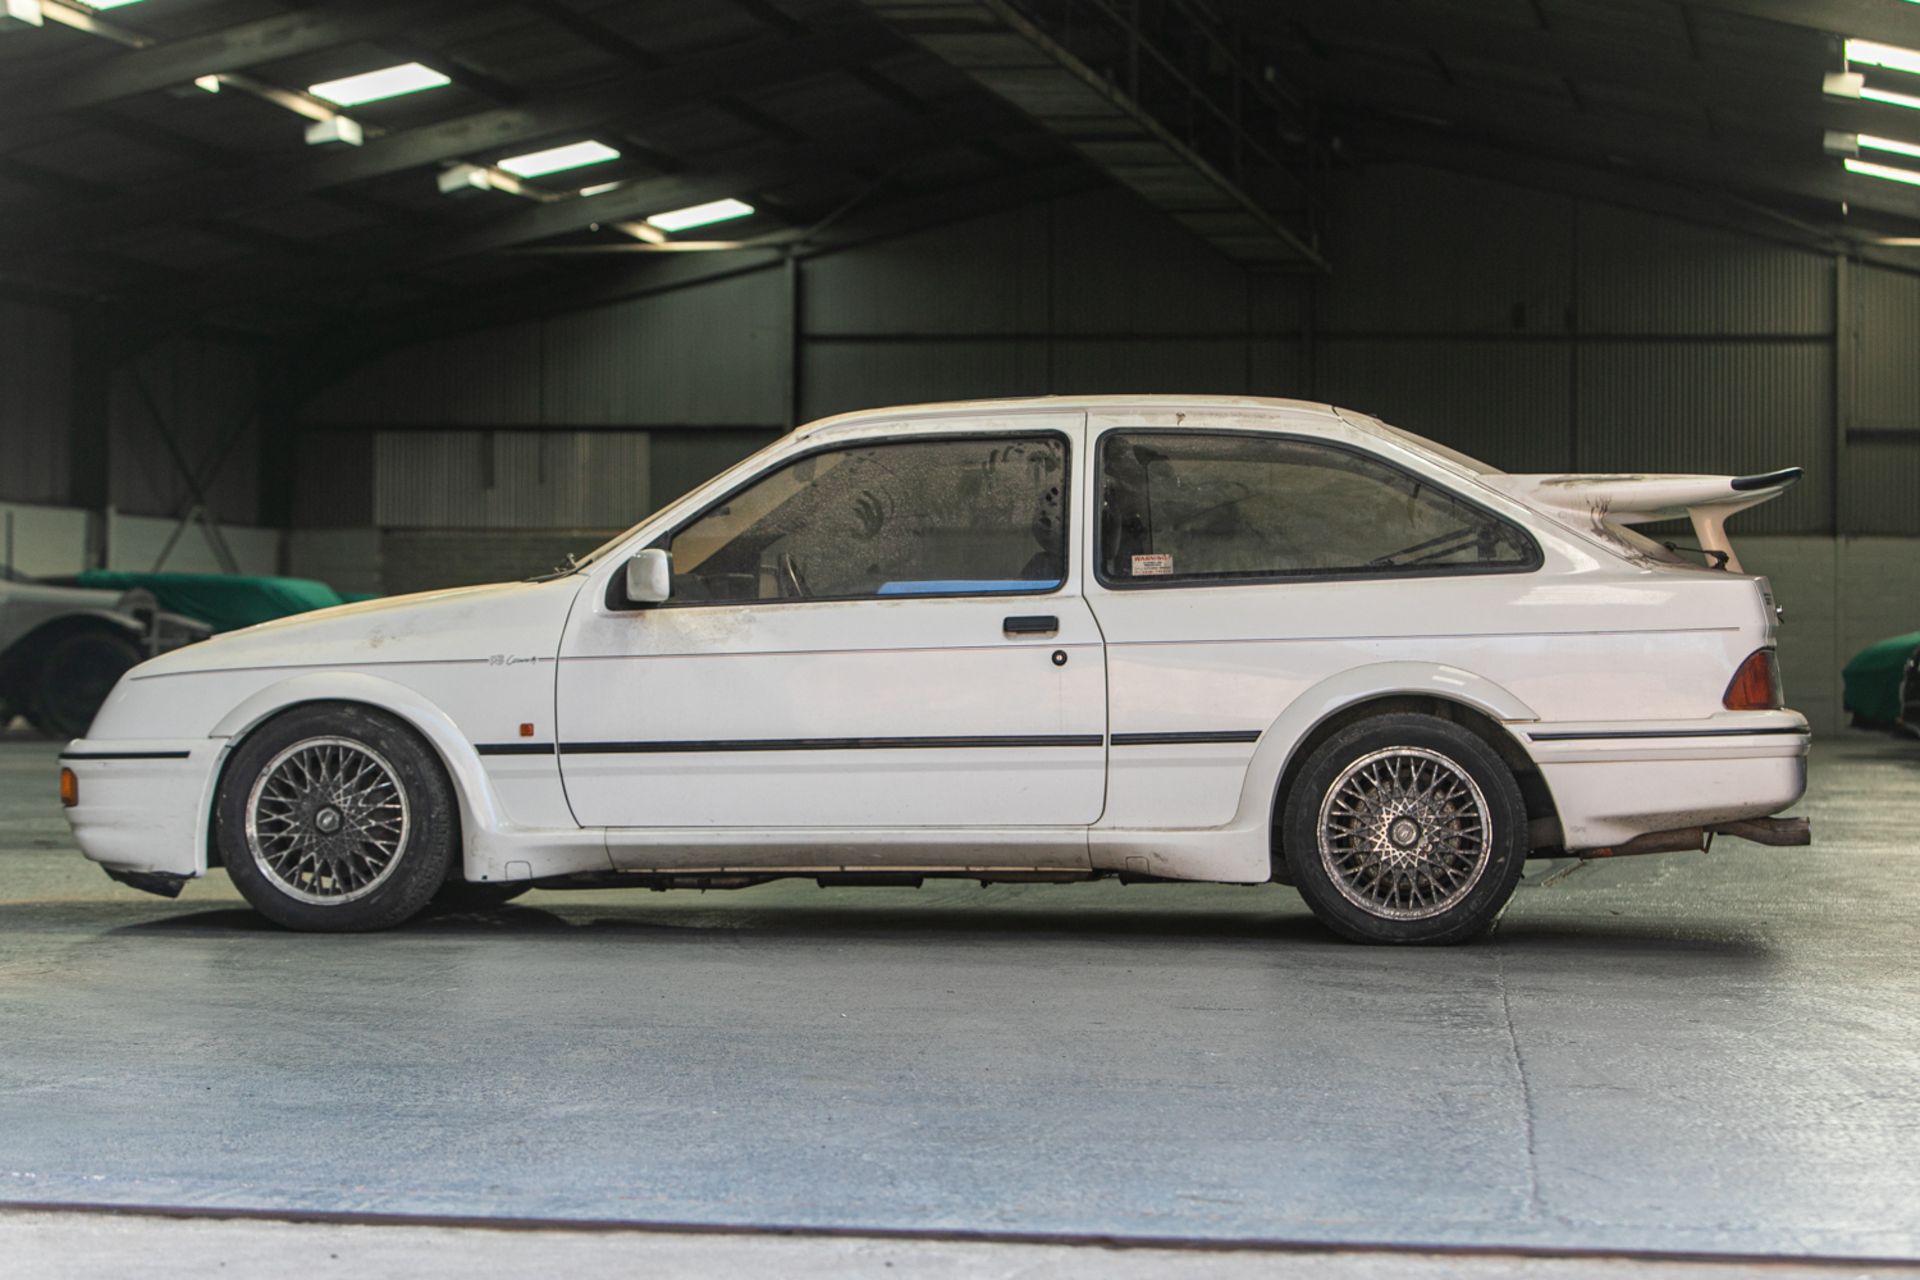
[[336, 818], [1405, 828], [73, 677]]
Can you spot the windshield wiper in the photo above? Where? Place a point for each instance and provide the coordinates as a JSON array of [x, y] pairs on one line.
[[572, 565]]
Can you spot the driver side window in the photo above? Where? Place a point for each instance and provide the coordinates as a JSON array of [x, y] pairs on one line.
[[911, 517]]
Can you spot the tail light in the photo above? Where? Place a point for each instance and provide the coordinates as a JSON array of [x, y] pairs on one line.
[[1756, 685]]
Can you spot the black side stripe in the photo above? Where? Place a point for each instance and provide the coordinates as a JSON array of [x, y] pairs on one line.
[[832, 744], [124, 755], [1581, 736], [1185, 739], [869, 744]]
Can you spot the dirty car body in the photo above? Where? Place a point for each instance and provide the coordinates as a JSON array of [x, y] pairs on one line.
[[1161, 638]]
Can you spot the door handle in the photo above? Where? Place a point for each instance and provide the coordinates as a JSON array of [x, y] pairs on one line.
[[1032, 624]]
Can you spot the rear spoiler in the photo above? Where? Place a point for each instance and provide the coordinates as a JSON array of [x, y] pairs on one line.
[[1592, 502]]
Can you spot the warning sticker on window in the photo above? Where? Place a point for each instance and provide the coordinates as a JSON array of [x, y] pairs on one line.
[[1157, 565]]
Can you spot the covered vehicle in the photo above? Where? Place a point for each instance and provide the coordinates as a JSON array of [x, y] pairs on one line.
[[224, 601], [1159, 638], [62, 648], [1877, 684], [1909, 722]]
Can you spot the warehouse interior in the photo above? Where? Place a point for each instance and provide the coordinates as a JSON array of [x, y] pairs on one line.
[[452, 334]]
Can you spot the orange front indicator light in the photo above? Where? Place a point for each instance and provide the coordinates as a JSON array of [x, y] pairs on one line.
[[69, 788], [1756, 685]]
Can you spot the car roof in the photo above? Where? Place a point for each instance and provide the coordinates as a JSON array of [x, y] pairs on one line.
[[1200, 404]]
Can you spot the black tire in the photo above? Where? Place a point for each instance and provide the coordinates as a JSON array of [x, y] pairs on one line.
[[400, 841], [474, 895], [73, 676], [1400, 833]]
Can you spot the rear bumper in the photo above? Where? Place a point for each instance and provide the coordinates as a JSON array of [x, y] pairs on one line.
[[144, 804], [1614, 781]]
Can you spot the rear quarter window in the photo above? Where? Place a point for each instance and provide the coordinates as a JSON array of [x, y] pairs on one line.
[[1193, 507]]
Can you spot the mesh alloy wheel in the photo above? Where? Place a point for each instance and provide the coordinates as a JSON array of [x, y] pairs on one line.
[[327, 820], [1404, 833]]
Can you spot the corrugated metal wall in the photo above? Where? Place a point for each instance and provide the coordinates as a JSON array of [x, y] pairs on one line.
[[1536, 331], [509, 479], [1881, 449], [1544, 334], [204, 392], [712, 356], [35, 349]]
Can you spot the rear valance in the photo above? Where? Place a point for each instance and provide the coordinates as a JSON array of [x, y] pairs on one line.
[[1593, 502]]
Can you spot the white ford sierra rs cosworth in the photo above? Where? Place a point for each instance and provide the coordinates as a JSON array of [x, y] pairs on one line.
[[1156, 637]]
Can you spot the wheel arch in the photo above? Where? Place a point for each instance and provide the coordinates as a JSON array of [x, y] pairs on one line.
[[478, 806], [1472, 701]]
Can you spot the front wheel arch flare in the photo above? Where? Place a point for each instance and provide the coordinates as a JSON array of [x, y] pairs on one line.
[[466, 811], [419, 863]]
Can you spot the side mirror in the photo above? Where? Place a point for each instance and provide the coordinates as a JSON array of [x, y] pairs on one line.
[[650, 576]]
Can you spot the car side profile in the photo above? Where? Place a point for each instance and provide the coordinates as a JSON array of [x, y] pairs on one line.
[[1161, 638]]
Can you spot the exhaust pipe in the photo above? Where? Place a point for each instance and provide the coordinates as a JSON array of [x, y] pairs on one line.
[[1779, 832]]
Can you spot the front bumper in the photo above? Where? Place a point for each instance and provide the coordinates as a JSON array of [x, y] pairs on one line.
[[1614, 781], [144, 805]]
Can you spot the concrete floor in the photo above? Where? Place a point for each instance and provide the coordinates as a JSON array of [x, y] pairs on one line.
[[1688, 1053]]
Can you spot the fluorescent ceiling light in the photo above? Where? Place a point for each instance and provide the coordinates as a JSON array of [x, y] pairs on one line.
[[699, 215], [108, 4], [1870, 143], [1891, 99], [554, 159], [371, 86], [210, 83], [1872, 53], [601, 188], [1868, 169]]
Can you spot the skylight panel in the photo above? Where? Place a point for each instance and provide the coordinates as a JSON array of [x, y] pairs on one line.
[[372, 86], [699, 215], [554, 159]]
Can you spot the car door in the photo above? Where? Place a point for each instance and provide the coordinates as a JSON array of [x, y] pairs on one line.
[[883, 632]]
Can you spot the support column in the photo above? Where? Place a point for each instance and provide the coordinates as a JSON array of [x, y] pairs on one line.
[[1844, 339], [96, 354]]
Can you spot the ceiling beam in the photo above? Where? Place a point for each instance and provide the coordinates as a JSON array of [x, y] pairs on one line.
[[1437, 149], [602, 281], [1610, 143], [240, 190], [1883, 20], [1757, 101], [400, 249], [172, 63], [1109, 120]]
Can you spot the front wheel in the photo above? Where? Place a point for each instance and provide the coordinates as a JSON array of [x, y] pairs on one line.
[[336, 818], [1405, 828]]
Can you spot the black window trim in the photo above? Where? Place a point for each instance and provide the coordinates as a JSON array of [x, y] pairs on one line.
[[617, 600], [1096, 448]]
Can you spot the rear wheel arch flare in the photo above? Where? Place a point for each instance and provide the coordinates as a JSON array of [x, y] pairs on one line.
[[1533, 787]]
